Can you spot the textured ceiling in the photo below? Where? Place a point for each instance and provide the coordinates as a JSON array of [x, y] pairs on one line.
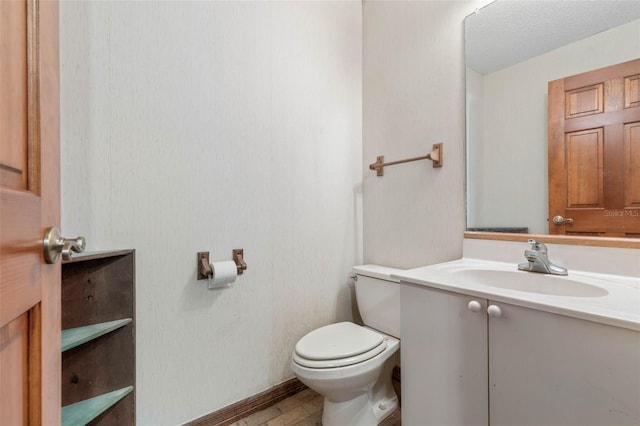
[[506, 32]]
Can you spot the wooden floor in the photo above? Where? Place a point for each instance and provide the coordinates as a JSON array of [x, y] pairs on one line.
[[301, 409]]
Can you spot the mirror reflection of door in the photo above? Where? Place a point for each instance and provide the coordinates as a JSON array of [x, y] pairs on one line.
[[30, 357], [594, 152]]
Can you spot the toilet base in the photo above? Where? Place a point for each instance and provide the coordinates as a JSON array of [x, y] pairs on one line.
[[368, 409], [358, 411]]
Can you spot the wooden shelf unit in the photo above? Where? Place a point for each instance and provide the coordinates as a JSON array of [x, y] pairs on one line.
[[98, 339]]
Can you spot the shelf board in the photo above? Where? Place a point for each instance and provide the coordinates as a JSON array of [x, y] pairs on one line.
[[73, 337], [99, 254], [81, 413]]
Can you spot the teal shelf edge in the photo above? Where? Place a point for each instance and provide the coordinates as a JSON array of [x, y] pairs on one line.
[[81, 413], [73, 337]]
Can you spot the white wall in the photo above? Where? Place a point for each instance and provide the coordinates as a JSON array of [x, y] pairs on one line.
[[208, 126], [509, 181], [414, 97]]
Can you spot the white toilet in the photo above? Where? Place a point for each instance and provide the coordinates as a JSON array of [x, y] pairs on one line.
[[351, 365]]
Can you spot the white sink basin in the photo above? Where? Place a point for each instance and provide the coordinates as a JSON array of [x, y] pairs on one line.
[[530, 282], [605, 298]]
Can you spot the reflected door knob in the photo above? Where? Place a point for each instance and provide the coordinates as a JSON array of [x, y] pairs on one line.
[[559, 220], [494, 311], [55, 245], [474, 306]]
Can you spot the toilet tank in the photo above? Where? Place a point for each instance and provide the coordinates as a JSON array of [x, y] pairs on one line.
[[378, 298]]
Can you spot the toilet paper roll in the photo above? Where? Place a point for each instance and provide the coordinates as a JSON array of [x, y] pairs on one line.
[[224, 273]]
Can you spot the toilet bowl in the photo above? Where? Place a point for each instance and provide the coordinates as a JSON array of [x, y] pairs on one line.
[[351, 365]]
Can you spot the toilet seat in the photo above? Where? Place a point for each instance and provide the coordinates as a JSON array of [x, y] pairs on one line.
[[338, 345]]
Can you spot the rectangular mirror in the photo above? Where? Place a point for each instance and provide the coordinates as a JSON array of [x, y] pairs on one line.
[[513, 50]]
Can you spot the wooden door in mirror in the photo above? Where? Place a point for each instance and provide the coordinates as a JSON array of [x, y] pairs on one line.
[[594, 152]]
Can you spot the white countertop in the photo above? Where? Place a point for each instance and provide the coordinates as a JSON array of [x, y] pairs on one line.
[[619, 307]]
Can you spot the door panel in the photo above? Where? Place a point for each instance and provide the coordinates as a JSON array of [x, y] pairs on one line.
[[632, 91], [14, 90], [29, 203], [14, 339], [594, 152], [584, 168], [584, 101], [632, 164]]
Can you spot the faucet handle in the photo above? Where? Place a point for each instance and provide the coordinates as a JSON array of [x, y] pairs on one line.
[[538, 246]]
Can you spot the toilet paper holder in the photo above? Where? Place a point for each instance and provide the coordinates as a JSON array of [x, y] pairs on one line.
[[204, 265], [238, 258]]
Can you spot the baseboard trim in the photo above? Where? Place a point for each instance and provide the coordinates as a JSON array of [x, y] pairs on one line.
[[241, 409], [234, 412]]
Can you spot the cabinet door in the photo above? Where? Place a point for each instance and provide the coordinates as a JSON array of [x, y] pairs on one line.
[[444, 358], [548, 369]]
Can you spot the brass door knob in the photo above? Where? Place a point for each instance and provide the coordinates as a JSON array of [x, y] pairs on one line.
[[559, 220], [55, 245]]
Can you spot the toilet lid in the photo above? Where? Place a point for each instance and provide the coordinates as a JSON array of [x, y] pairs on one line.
[[338, 342]]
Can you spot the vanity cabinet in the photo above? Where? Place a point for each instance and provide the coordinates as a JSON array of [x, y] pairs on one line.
[[98, 339], [514, 366]]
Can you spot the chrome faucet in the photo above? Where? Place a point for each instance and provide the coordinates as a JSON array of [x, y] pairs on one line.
[[537, 260]]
